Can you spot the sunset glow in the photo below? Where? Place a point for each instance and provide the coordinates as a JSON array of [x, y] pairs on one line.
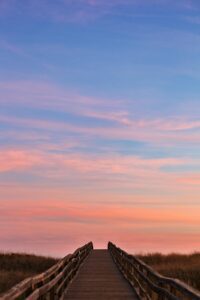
[[99, 125]]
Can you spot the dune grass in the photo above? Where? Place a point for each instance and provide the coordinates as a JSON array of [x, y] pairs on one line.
[[15, 267], [180, 266]]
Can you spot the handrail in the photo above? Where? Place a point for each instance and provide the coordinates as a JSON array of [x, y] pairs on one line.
[[52, 283], [149, 284]]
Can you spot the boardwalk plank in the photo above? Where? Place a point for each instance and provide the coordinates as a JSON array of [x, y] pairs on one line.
[[99, 279]]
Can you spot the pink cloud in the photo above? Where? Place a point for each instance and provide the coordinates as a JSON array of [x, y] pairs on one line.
[[97, 213], [93, 174], [109, 176], [168, 124], [44, 95], [136, 229], [193, 179], [122, 124], [18, 160], [145, 134], [27, 159]]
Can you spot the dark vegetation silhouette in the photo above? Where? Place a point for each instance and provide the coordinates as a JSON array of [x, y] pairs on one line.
[[181, 266], [15, 267]]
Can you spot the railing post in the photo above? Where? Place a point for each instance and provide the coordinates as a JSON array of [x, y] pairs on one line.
[[148, 283]]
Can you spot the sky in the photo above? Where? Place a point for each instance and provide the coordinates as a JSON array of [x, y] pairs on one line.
[[99, 125]]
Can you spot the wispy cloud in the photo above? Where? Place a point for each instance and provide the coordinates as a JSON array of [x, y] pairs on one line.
[[149, 228], [13, 48], [161, 137], [193, 179], [123, 124], [98, 213], [21, 52], [82, 10], [95, 171], [26, 159], [44, 95], [115, 156]]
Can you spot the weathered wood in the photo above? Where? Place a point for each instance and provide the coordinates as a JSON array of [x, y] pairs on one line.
[[99, 279], [148, 283], [45, 285]]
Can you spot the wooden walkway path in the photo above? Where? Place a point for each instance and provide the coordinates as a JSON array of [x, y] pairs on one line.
[[99, 279], [89, 274]]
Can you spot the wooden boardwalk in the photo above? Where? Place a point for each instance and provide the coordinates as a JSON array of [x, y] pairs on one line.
[[94, 274], [99, 279]]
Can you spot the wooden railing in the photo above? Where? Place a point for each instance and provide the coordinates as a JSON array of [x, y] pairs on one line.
[[150, 285], [52, 283]]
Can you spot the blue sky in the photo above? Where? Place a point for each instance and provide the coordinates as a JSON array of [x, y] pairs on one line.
[[99, 113]]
